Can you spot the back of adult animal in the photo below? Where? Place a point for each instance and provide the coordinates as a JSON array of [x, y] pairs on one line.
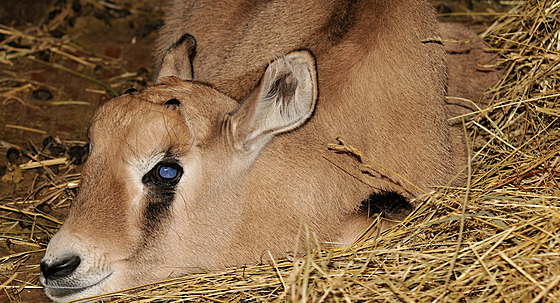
[[225, 158]]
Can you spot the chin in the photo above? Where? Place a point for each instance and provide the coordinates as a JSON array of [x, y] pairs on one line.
[[64, 290]]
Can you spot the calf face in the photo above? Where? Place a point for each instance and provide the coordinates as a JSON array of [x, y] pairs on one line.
[[160, 191]]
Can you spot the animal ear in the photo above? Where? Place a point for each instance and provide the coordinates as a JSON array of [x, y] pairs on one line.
[[177, 60], [284, 100]]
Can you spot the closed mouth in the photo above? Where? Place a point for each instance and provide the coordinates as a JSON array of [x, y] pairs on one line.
[[57, 291]]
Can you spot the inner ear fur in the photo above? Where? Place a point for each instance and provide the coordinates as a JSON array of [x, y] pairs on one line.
[[283, 101], [177, 60]]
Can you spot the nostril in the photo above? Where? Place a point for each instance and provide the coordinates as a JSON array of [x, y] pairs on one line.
[[60, 269]]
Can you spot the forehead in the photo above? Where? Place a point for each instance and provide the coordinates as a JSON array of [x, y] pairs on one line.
[[131, 124]]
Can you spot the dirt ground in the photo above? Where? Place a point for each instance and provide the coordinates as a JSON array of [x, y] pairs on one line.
[[59, 60]]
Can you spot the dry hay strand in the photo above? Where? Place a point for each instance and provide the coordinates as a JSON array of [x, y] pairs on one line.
[[25, 228], [38, 45], [493, 240]]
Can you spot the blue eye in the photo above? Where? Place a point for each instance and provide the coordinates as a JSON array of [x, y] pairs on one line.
[[164, 174], [167, 172]]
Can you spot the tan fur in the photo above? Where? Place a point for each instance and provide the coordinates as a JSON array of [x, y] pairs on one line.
[[374, 57], [381, 84], [471, 69]]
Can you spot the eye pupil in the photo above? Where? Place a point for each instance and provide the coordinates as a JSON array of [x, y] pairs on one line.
[[167, 172]]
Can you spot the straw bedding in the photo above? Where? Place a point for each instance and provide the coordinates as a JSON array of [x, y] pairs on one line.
[[493, 240]]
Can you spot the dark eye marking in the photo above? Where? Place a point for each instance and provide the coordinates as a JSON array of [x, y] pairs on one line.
[[130, 90], [165, 174], [172, 103]]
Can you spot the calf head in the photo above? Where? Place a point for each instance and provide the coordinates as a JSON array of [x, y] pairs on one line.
[[158, 193]]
